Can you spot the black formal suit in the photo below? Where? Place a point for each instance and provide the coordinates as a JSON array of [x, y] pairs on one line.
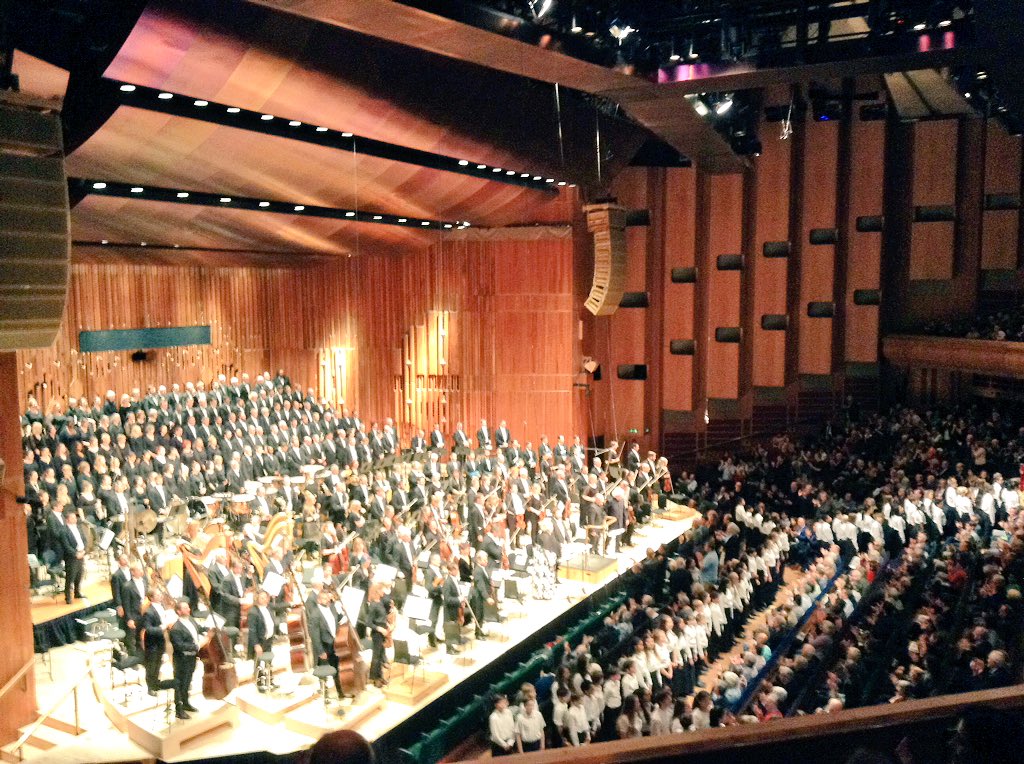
[[451, 598], [217, 574], [321, 636], [184, 648], [418, 445], [479, 595], [501, 437], [436, 439], [376, 619], [230, 600], [151, 636], [258, 631], [132, 599], [73, 551]]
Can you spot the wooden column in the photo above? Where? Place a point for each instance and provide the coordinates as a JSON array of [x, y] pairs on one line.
[[18, 706]]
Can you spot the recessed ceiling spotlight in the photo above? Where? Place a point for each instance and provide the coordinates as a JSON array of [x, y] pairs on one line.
[[225, 200], [266, 117], [463, 162], [549, 180], [99, 186], [496, 169], [183, 194], [165, 96], [377, 217], [127, 88], [447, 225], [233, 110], [142, 244], [137, 189], [264, 204], [104, 241], [510, 172], [403, 220], [299, 207], [350, 214], [524, 175], [481, 167], [945, 23], [425, 222], [200, 102], [561, 183], [294, 123], [920, 27], [536, 177], [346, 135]]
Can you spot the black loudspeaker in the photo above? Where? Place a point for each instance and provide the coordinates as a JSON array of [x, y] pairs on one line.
[[635, 371], [821, 309], [870, 223], [867, 297], [728, 334], [822, 236], [729, 262], [681, 347], [776, 249], [775, 322], [140, 356], [635, 300], [684, 275], [937, 213], [35, 237], [596, 375], [1002, 201]]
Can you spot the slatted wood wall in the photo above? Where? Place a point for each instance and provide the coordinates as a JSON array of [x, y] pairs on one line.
[[500, 311]]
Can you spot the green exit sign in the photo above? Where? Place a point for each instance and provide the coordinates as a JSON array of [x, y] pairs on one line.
[[633, 431]]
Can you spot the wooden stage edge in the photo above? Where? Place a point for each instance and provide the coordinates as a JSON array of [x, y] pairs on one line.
[[46, 608]]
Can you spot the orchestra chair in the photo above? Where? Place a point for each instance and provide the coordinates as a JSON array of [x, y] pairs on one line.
[[453, 635], [323, 673]]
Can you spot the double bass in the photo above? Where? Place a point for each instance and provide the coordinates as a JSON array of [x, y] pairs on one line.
[[352, 669], [219, 675]]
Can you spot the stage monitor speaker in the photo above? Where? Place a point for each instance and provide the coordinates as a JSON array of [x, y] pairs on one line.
[[681, 347], [607, 222], [776, 249], [684, 275], [635, 300], [775, 322], [731, 334], [821, 309], [822, 236], [35, 224], [867, 297], [635, 371], [729, 262]]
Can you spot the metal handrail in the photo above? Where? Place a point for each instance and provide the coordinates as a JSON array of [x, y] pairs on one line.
[[21, 742], [18, 675]]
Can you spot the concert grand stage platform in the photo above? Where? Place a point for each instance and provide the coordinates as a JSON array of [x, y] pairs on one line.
[[389, 724]]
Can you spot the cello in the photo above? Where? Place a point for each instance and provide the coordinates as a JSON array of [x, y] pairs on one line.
[[352, 669], [299, 647], [219, 675]]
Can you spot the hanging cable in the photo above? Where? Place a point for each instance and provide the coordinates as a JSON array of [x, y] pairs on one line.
[[558, 115]]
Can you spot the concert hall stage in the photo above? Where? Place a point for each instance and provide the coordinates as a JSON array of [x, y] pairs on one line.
[[54, 622], [389, 720]]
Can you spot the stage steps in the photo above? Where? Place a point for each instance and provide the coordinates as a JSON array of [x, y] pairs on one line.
[[49, 735]]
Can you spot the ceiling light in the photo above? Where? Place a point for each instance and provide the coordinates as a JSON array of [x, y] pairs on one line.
[[496, 169], [294, 123], [463, 162], [127, 88], [377, 217], [104, 241], [299, 207], [200, 102], [350, 214], [266, 117], [510, 172], [321, 129], [99, 186], [561, 182], [549, 180], [264, 204], [346, 135], [225, 200], [724, 105], [425, 222], [540, 8], [183, 194], [524, 175], [142, 243], [177, 246], [233, 110], [481, 167], [403, 220], [575, 28], [137, 189], [945, 23], [692, 54], [536, 177], [165, 96], [620, 30], [447, 225], [983, 75], [920, 27], [674, 57], [700, 107]]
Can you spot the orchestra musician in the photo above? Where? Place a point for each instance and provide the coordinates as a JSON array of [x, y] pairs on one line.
[[481, 593], [323, 628], [133, 595], [434, 583], [378, 627], [185, 644], [233, 590], [73, 547], [151, 637], [262, 627]]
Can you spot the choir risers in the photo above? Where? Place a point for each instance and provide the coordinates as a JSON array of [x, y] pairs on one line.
[[314, 721]]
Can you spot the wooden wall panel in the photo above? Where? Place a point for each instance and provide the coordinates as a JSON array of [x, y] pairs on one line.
[[346, 329], [867, 177], [1001, 228], [817, 262], [934, 179], [771, 224], [725, 237], [680, 207]]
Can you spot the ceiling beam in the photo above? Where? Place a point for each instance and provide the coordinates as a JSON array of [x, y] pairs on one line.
[[666, 114]]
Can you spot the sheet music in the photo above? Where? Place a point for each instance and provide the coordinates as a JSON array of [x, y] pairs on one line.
[[175, 587], [417, 608], [273, 583], [352, 601], [385, 574]]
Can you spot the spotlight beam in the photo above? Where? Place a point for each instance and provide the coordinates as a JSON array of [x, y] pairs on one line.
[[81, 187]]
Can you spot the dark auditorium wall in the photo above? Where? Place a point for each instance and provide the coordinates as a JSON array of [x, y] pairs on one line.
[[468, 329]]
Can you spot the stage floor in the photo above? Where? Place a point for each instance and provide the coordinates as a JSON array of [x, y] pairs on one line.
[[376, 714]]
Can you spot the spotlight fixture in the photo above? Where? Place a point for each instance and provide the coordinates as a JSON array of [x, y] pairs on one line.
[[294, 123], [541, 8], [481, 167], [346, 135], [182, 194], [723, 106], [920, 27], [403, 220], [127, 88], [575, 28], [350, 214], [266, 117], [424, 223], [99, 186], [692, 55], [321, 129], [233, 110], [620, 30], [463, 162], [137, 189], [700, 107], [225, 200], [299, 207], [165, 96], [200, 102], [264, 204]]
